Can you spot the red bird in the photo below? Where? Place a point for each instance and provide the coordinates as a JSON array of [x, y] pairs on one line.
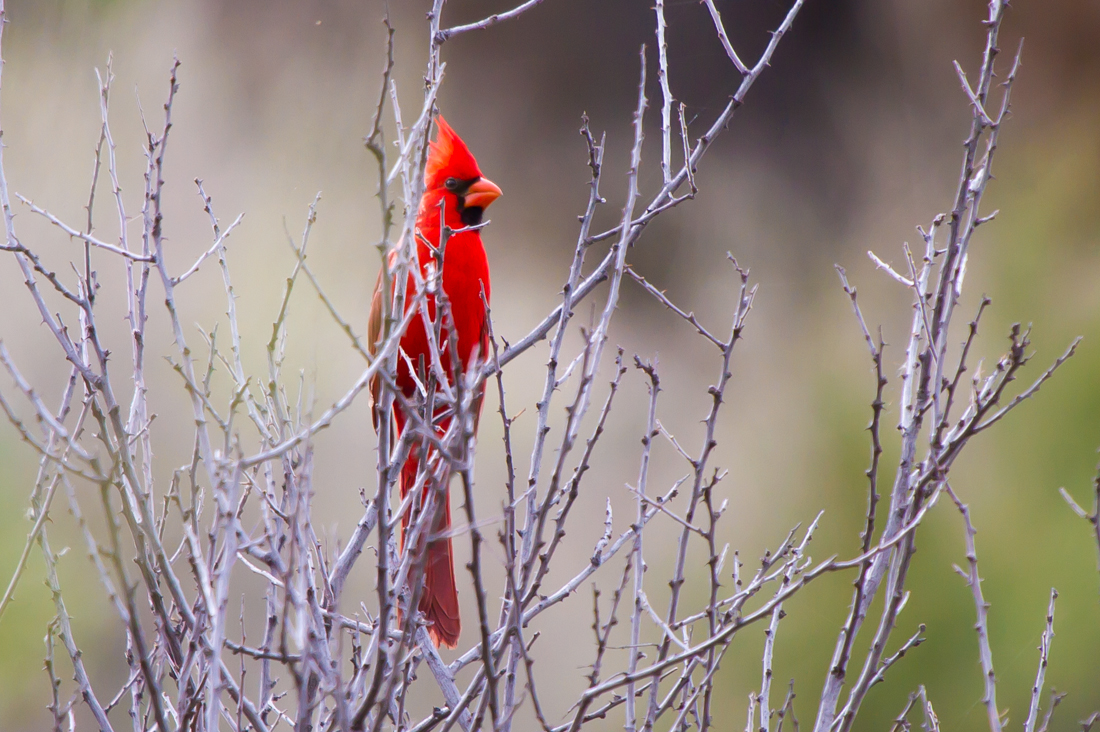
[[451, 176]]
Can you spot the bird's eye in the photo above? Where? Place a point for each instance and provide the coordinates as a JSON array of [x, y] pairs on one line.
[[451, 184]]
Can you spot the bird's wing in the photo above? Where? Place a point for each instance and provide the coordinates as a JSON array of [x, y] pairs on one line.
[[374, 330], [374, 326]]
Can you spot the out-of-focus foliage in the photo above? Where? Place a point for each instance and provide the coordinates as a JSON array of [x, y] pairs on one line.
[[845, 145]]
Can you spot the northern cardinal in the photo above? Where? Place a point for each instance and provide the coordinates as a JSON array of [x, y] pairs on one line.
[[451, 176]]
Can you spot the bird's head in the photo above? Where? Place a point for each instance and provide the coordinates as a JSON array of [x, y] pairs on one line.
[[452, 174]]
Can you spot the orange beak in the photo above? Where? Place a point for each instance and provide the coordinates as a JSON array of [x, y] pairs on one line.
[[482, 193]]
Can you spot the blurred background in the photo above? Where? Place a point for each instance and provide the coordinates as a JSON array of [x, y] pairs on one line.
[[849, 141]]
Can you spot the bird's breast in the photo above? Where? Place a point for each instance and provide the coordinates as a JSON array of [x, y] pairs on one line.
[[466, 283]]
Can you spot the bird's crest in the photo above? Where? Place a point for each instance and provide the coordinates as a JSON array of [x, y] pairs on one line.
[[448, 157]]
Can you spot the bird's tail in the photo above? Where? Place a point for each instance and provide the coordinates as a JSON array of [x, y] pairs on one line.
[[439, 599]]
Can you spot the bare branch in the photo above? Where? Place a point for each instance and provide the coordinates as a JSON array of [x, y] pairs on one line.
[[444, 35], [982, 625], [721, 29], [86, 238], [1040, 675]]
